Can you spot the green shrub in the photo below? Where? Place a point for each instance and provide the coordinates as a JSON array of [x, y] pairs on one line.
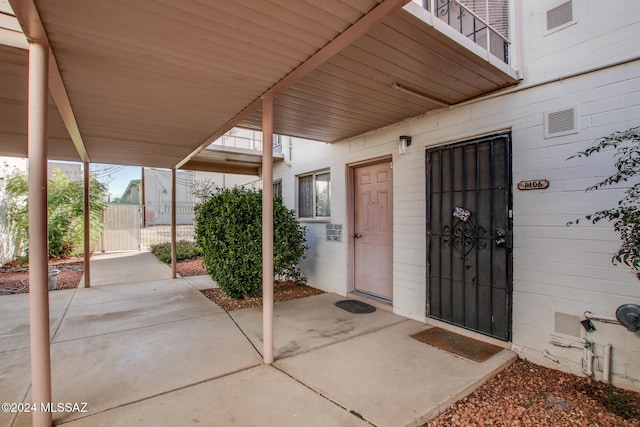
[[66, 212], [620, 402], [184, 250], [625, 215], [229, 231]]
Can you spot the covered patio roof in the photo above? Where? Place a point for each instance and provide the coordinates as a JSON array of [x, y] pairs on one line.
[[152, 83]]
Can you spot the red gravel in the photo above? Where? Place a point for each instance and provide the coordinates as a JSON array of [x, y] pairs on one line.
[[191, 267], [282, 291], [526, 394], [15, 279]]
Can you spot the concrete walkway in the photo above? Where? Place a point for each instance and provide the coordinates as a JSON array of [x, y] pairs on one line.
[[142, 349]]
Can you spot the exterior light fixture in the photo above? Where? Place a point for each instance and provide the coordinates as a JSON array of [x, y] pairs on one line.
[[403, 142]]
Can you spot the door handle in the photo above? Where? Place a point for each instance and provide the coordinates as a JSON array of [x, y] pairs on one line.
[[357, 235]]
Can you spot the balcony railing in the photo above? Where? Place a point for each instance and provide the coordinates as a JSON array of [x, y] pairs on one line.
[[481, 30], [251, 140]]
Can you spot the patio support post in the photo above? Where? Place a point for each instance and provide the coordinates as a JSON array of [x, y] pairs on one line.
[[143, 197], [38, 238], [87, 225], [174, 242], [267, 228]]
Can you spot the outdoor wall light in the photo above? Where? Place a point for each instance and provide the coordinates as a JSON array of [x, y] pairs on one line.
[[403, 142]]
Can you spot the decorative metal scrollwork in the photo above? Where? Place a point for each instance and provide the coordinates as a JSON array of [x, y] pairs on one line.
[[464, 236]]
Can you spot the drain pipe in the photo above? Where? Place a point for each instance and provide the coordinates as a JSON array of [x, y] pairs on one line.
[[550, 357], [587, 357], [604, 319], [606, 369], [565, 344]]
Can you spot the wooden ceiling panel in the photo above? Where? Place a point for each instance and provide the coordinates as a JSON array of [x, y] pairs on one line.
[[353, 92], [150, 82], [13, 111], [448, 49], [150, 73]]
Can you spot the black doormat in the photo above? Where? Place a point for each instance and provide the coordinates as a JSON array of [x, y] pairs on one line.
[[357, 307], [475, 350]]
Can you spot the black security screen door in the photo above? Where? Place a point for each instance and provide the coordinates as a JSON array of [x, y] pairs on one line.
[[469, 235]]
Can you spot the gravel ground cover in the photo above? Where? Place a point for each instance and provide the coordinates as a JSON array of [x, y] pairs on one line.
[[526, 394], [282, 291], [191, 267], [14, 279]]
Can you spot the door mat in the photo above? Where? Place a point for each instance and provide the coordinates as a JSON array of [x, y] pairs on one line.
[[357, 307], [475, 350]]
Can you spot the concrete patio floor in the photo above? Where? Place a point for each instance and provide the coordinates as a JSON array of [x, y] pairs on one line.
[[142, 349]]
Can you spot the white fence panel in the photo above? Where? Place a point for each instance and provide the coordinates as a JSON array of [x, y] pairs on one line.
[[121, 228]]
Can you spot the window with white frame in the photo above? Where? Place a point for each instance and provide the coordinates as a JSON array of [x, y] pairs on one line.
[[277, 189], [314, 195]]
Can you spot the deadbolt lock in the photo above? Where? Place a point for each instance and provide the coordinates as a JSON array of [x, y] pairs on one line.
[[501, 237]]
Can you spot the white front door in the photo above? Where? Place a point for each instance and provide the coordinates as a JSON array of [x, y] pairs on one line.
[[373, 230]]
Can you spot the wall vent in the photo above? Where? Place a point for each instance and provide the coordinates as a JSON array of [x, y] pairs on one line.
[[561, 122], [560, 16], [567, 324]]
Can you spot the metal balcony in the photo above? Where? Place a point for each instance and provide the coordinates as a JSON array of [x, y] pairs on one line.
[[484, 22]]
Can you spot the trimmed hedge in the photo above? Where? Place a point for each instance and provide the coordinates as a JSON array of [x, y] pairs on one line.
[[184, 250], [229, 231]]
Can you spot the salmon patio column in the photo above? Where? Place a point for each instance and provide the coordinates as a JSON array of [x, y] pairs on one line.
[[38, 238], [87, 227], [174, 240], [267, 228]]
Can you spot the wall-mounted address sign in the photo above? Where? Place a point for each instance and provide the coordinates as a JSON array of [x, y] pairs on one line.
[[334, 232], [536, 184]]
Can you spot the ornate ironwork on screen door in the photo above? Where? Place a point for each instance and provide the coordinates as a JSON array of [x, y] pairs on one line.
[[463, 235]]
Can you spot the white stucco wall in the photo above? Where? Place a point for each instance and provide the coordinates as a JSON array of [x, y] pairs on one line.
[[227, 180], [603, 33], [557, 269], [158, 196]]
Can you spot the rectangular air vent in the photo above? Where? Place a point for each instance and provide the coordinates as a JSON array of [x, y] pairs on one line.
[[567, 324], [560, 16], [561, 122]]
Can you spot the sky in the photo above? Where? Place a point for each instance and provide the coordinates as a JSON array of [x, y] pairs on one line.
[[117, 177]]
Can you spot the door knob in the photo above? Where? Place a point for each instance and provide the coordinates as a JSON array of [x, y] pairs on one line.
[[357, 235]]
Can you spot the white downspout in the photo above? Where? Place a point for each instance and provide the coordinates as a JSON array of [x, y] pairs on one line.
[[606, 369]]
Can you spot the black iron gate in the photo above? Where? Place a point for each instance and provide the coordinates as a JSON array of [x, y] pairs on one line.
[[469, 236]]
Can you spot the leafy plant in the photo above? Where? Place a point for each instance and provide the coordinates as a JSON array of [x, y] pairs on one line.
[[620, 402], [204, 189], [626, 215], [229, 231], [184, 250], [65, 209]]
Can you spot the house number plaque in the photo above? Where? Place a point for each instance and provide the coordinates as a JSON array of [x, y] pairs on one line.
[[536, 184]]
